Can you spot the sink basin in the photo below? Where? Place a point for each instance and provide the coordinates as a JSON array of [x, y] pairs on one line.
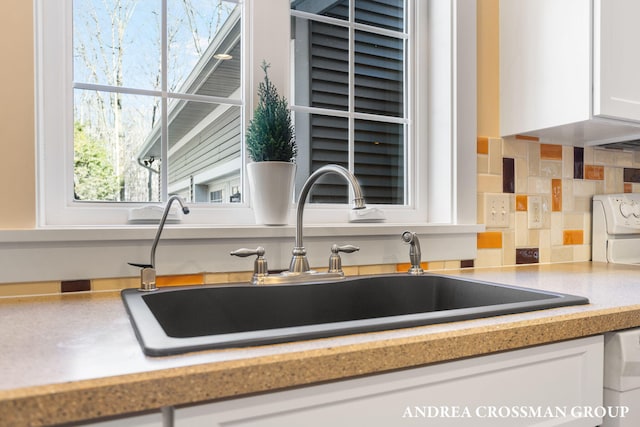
[[179, 320]]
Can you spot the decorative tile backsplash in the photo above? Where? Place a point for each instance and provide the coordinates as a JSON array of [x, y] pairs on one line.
[[563, 179]]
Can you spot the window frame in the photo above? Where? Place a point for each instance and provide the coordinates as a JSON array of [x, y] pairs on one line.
[[63, 252], [450, 197], [54, 103]]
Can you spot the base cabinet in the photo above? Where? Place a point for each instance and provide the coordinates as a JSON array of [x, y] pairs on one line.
[[553, 385]]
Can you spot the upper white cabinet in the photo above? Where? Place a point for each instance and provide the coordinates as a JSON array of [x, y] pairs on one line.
[[617, 59], [568, 70]]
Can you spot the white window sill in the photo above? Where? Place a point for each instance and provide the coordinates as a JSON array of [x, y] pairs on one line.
[[198, 232], [72, 253]]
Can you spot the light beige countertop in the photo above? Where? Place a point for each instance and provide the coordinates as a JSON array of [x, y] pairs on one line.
[[75, 356]]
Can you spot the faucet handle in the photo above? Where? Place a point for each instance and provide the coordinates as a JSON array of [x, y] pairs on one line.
[[260, 268], [335, 262], [344, 248], [245, 252]]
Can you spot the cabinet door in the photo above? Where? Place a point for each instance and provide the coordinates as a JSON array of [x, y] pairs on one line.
[[505, 389], [545, 64], [617, 59]]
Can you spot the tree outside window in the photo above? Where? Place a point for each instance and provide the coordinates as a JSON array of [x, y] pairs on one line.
[[158, 89]]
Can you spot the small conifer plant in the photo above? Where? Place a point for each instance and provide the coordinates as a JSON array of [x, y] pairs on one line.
[[270, 135]]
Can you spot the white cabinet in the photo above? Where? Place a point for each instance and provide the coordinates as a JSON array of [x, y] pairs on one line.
[[617, 59], [568, 70], [556, 381]]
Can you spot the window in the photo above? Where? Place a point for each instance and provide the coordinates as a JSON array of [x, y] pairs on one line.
[[164, 120], [216, 196], [351, 86], [155, 80]]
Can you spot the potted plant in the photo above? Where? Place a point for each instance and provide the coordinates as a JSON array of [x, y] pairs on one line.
[[271, 145]]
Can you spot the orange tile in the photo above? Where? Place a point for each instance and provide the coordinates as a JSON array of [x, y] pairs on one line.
[[483, 145], [550, 152], [180, 280], [528, 138], [490, 240], [572, 237], [594, 172], [628, 188], [521, 202], [556, 195], [403, 267]]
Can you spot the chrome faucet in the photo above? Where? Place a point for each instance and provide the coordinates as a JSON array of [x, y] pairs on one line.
[[299, 262], [148, 272], [299, 270], [415, 254]]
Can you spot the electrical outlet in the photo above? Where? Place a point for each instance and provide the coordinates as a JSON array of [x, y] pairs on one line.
[[497, 210], [535, 211]]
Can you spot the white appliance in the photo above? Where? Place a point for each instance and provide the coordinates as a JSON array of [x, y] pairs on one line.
[[616, 228], [616, 239], [622, 378]]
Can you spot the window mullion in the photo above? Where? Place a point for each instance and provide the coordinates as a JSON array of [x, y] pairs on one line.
[[164, 127], [351, 90], [410, 81]]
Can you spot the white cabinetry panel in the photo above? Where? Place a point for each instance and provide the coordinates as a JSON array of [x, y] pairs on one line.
[[568, 70], [617, 59], [471, 392], [545, 63]]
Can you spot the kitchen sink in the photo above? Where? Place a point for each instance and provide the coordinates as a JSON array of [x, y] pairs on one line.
[[183, 319]]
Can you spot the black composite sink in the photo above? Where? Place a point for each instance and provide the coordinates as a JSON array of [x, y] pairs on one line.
[[183, 319]]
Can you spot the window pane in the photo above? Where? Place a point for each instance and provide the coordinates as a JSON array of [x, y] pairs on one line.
[[204, 151], [335, 9], [362, 75], [123, 130], [328, 144], [117, 42], [379, 70], [204, 54], [379, 161], [388, 14], [321, 65], [110, 129]]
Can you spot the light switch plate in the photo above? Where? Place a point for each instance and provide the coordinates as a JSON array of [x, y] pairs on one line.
[[497, 210], [535, 211]]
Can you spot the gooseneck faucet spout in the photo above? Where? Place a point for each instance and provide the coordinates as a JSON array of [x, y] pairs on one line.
[[185, 210], [299, 262], [148, 272]]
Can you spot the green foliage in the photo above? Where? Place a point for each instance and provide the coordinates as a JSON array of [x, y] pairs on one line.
[[270, 136], [94, 176]]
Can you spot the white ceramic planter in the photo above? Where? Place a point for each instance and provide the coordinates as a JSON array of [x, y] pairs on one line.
[[271, 186]]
